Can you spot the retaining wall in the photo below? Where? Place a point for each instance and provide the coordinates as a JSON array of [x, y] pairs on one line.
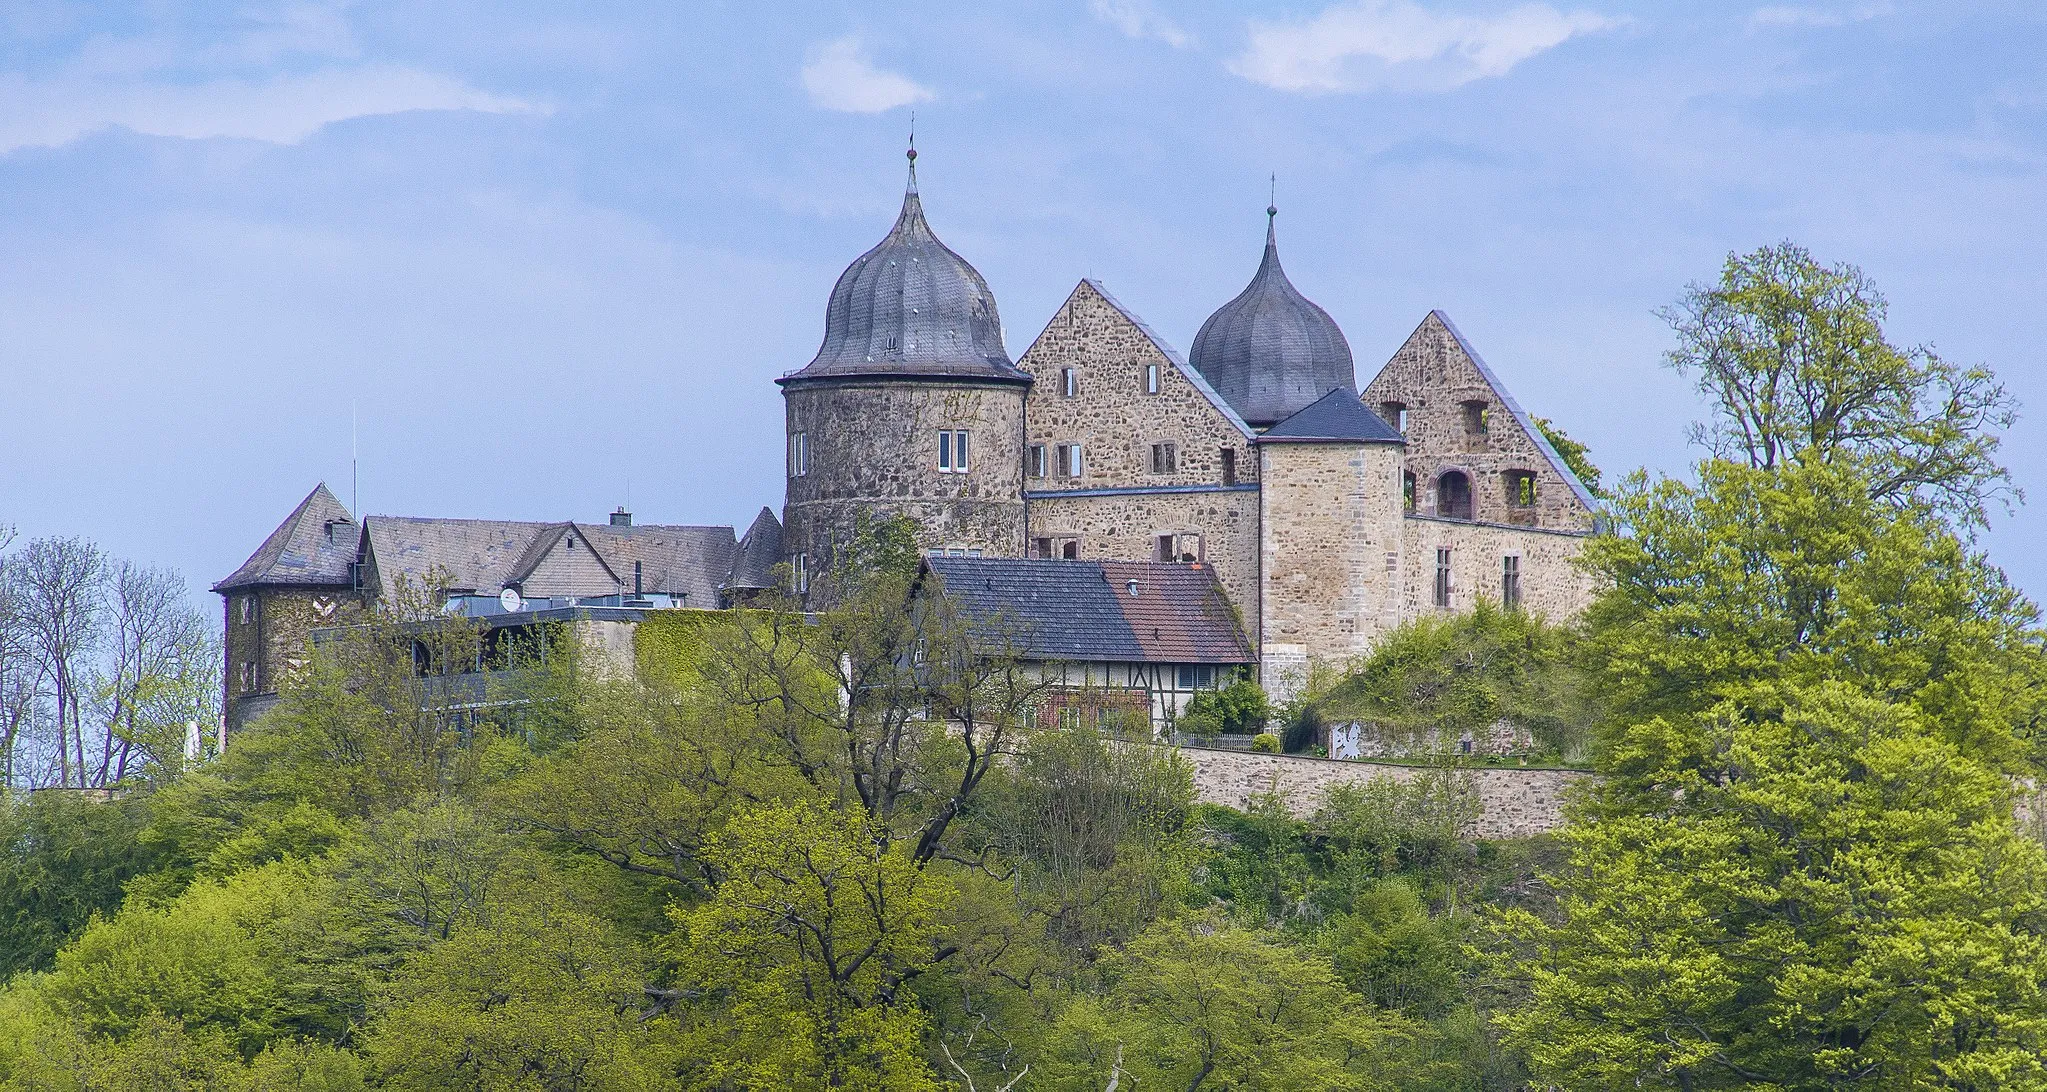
[[1516, 802]]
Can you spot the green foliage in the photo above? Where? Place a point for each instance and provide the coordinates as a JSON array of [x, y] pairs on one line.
[[1433, 679], [1793, 359], [1240, 707], [1575, 455], [64, 857], [1265, 743], [1831, 893]]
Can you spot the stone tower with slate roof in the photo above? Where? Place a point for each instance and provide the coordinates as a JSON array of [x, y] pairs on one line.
[[910, 407], [299, 580]]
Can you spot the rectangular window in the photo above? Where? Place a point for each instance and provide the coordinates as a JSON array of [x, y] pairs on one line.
[[799, 454], [1069, 382], [1395, 414], [248, 609], [1196, 676], [1039, 467], [1069, 460], [952, 451], [1442, 577], [1165, 458], [1069, 549], [1510, 581], [801, 575], [248, 676], [1183, 549], [1041, 547], [1229, 459], [1520, 489], [1477, 418], [1151, 379], [1407, 490]]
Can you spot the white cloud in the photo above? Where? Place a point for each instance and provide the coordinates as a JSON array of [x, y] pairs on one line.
[[1399, 45], [1140, 19], [840, 77], [1789, 16], [282, 110]]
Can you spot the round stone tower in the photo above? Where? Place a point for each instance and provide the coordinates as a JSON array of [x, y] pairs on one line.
[[1272, 352], [912, 406]]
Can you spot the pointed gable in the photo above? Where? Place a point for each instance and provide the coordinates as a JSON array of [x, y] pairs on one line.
[[1171, 355], [562, 560], [313, 547], [1462, 418], [759, 551]]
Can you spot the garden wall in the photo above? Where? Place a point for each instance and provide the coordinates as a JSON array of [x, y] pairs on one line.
[[1516, 802]]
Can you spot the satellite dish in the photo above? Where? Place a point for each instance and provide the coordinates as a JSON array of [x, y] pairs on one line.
[[509, 599]]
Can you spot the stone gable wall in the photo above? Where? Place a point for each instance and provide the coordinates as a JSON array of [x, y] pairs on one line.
[[1552, 585], [1433, 377], [1515, 803], [1112, 418], [874, 450], [1332, 544], [1127, 527]]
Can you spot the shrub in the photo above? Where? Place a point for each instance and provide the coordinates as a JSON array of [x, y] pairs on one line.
[[1235, 709], [1265, 743]]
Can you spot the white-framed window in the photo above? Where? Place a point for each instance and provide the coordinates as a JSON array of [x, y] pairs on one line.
[[799, 454], [1040, 462], [1165, 457], [952, 451], [1510, 580], [1069, 382], [1196, 676], [1070, 462], [800, 574], [1151, 379]]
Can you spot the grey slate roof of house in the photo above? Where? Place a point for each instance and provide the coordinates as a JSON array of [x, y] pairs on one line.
[[1271, 351], [911, 308], [1083, 610], [759, 551], [483, 556], [302, 551], [1335, 418]]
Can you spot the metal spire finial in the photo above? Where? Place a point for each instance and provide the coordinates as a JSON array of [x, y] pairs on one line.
[[1272, 196], [912, 153]]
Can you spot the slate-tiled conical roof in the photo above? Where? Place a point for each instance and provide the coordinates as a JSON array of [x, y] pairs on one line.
[[910, 307], [1335, 418], [313, 547], [1271, 352]]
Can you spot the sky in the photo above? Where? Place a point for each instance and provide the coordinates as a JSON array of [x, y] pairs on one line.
[[538, 260]]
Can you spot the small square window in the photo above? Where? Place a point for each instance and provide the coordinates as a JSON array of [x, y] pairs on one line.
[[1070, 464], [1165, 458]]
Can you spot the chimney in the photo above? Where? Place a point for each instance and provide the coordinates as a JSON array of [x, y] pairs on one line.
[[621, 518]]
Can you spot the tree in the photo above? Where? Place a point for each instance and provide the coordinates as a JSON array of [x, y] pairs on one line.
[[61, 598], [161, 671], [1203, 1003], [63, 859], [1828, 894], [1237, 708], [1793, 359], [1575, 455]]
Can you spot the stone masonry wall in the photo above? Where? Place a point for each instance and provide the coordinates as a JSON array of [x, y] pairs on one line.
[[874, 451], [1551, 585], [1515, 803], [1116, 422], [1332, 544], [277, 636], [1434, 378]]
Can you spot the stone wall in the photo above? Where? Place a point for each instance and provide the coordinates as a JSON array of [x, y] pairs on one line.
[[874, 451], [1551, 584], [1332, 542], [1116, 420], [1434, 378], [1515, 803], [277, 638]]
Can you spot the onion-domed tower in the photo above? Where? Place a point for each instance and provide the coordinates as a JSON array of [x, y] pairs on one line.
[[911, 406], [1271, 352]]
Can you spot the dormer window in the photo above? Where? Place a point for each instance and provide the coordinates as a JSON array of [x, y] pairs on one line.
[[572, 542]]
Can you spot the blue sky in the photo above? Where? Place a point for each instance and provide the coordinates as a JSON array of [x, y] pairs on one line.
[[549, 250]]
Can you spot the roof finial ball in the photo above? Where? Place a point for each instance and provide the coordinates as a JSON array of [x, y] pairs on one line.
[[1272, 196]]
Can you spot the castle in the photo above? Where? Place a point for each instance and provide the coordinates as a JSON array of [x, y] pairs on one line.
[[1326, 515]]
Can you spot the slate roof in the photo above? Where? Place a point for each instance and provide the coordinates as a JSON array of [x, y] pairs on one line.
[[1335, 418], [1271, 351], [483, 556], [911, 308], [301, 551], [1083, 610], [758, 552]]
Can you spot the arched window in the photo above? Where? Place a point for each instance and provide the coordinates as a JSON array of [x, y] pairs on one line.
[[1453, 495]]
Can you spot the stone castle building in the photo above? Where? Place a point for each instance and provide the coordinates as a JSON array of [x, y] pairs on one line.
[[1328, 515], [1325, 514]]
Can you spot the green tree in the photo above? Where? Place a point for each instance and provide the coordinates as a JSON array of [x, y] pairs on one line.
[[1238, 708], [1575, 455], [63, 858], [1829, 894], [1793, 358]]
